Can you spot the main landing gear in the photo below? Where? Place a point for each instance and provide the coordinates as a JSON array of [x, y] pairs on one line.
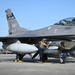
[[19, 57]]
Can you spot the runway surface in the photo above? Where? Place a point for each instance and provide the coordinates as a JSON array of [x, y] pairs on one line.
[[30, 67]]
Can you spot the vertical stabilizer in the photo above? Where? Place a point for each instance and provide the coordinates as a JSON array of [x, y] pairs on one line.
[[12, 23]]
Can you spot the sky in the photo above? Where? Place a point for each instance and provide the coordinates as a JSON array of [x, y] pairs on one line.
[[35, 14]]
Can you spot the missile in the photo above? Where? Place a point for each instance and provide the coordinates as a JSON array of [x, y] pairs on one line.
[[22, 47]]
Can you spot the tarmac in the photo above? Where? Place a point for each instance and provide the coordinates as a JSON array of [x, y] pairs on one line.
[[33, 67]]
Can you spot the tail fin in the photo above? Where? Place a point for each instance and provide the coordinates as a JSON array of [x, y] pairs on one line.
[[12, 23]]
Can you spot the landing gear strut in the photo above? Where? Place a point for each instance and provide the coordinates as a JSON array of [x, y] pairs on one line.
[[62, 58], [19, 57]]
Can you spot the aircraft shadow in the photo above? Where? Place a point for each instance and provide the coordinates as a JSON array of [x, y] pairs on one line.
[[52, 60]]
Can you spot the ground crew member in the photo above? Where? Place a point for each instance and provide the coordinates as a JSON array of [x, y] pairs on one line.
[[42, 45]]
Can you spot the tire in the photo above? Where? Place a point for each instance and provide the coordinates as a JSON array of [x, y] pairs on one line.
[[62, 60]]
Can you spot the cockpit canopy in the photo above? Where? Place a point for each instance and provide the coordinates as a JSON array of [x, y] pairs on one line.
[[66, 22]]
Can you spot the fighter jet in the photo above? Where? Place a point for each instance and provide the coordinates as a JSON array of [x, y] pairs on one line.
[[22, 41]]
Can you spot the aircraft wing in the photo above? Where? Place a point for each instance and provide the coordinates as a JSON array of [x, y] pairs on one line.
[[52, 38]]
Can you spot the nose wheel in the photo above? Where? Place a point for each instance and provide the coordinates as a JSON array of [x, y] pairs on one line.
[[62, 58]]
